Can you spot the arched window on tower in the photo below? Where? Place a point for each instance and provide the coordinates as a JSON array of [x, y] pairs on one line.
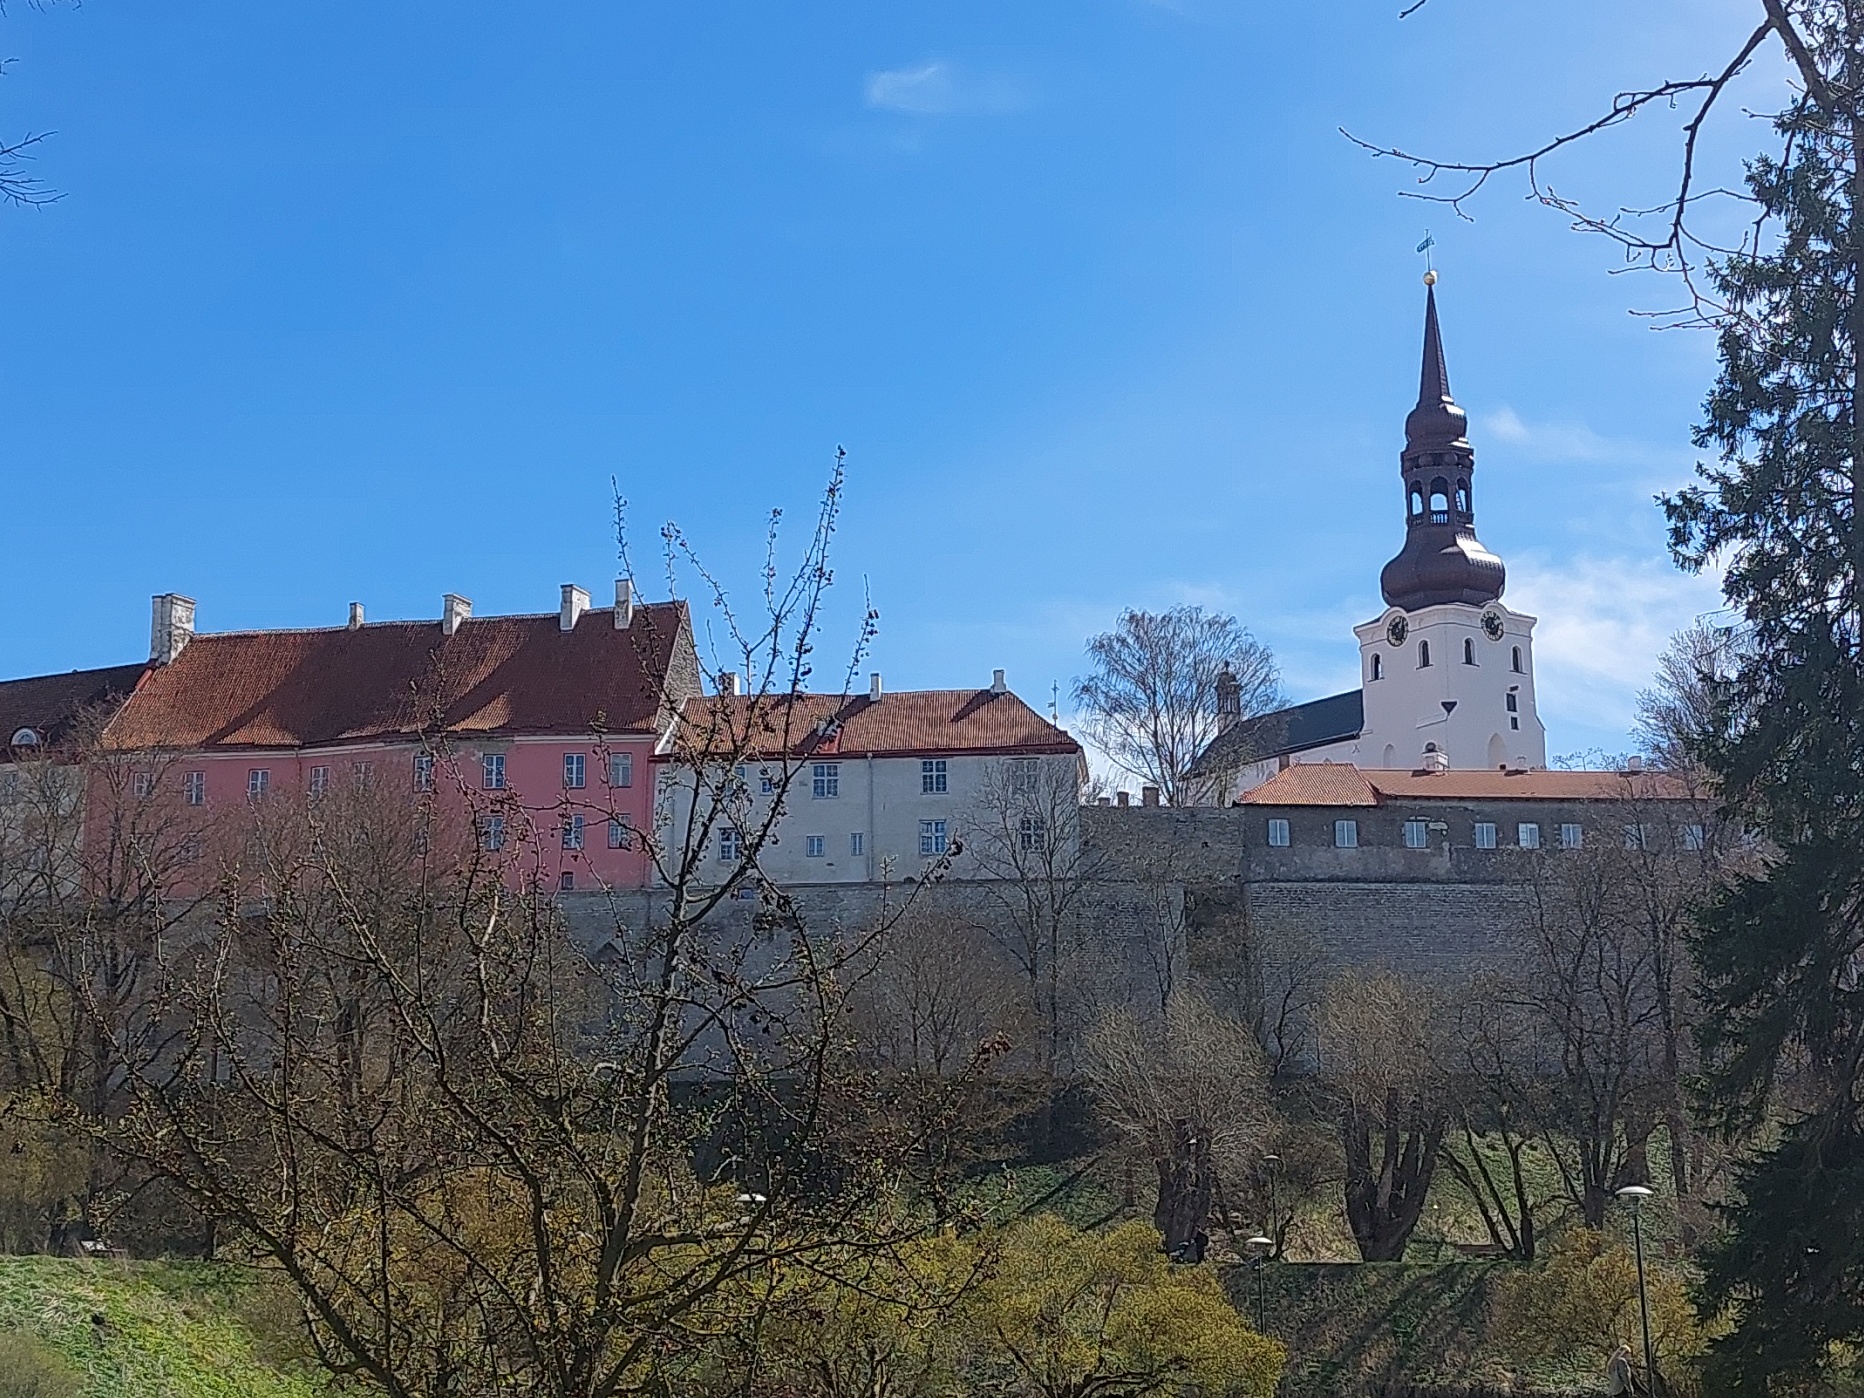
[[1469, 651], [1378, 666], [1516, 663], [1462, 497], [1417, 500], [1423, 655], [1439, 501]]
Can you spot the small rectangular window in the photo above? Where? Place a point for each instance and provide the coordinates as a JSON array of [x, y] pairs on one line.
[[931, 837], [258, 782], [1346, 834], [1514, 703], [1634, 836], [1033, 832], [1693, 837], [1514, 723], [492, 832], [423, 771], [364, 773], [320, 780], [618, 834], [1416, 834], [1278, 834], [572, 771], [766, 783], [194, 788], [1527, 835], [142, 785], [494, 763], [857, 844], [825, 781], [932, 777], [1485, 834], [1024, 775], [621, 769], [815, 846], [572, 833], [566, 881], [730, 846], [1571, 837]]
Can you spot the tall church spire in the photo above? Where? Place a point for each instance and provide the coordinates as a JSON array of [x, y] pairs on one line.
[[1442, 560]]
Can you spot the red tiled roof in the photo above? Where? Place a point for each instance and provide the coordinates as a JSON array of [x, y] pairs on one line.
[[494, 675], [910, 721], [1342, 784]]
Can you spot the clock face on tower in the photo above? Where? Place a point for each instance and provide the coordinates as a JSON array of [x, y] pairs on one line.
[[1492, 625], [1397, 629]]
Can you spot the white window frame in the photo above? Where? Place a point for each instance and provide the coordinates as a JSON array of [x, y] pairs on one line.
[[575, 771], [1527, 834], [423, 771], [258, 782], [1024, 775], [573, 832], [1280, 834], [932, 838], [1572, 835], [1485, 834], [617, 834], [825, 781], [815, 846], [194, 788], [1346, 834], [857, 844], [1695, 837], [934, 779], [620, 769], [492, 834], [1032, 834], [492, 765], [730, 845], [1416, 833], [362, 773], [1635, 836], [320, 780], [142, 785]]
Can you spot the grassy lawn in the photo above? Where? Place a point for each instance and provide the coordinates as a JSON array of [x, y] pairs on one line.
[[146, 1329]]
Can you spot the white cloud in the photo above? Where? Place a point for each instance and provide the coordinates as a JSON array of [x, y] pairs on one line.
[[1567, 441], [1603, 623], [937, 89]]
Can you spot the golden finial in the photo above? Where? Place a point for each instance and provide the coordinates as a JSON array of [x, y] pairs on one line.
[[1430, 277]]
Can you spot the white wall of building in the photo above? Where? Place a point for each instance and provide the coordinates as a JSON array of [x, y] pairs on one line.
[[884, 801]]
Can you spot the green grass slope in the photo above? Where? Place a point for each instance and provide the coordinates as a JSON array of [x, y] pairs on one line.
[[145, 1329]]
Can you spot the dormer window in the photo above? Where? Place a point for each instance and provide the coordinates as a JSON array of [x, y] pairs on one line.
[[25, 738]]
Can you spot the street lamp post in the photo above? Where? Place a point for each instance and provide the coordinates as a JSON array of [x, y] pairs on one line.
[[1272, 1163], [1259, 1250], [1637, 1194]]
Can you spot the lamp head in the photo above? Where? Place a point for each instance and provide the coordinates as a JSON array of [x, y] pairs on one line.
[[1636, 1193]]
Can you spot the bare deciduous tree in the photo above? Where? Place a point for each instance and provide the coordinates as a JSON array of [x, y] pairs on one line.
[[1190, 1094], [1382, 1067], [1151, 702]]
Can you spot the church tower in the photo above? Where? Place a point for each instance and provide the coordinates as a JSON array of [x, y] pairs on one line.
[[1448, 671]]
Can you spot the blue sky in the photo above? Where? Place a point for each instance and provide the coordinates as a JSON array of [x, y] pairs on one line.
[[371, 301]]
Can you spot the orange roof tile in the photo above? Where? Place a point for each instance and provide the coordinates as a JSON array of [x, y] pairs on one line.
[[494, 675], [910, 721], [1342, 784]]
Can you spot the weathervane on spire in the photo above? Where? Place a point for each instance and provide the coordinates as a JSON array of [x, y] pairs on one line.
[[1430, 272]]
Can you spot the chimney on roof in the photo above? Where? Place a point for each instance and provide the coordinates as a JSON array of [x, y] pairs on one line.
[[1634, 765], [728, 683], [171, 626], [624, 603], [1435, 761], [1148, 796], [454, 609], [575, 603], [873, 688], [1120, 798], [1100, 800], [997, 686], [355, 616]]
